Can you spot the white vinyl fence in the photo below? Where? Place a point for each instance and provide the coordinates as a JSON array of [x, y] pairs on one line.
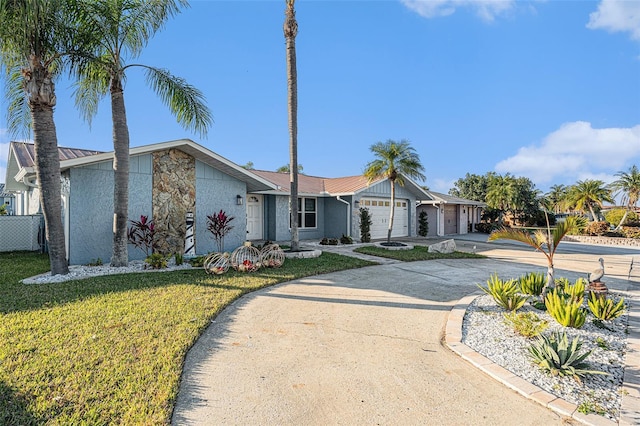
[[21, 233]]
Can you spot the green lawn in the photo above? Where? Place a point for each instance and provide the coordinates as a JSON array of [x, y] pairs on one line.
[[109, 350], [417, 253]]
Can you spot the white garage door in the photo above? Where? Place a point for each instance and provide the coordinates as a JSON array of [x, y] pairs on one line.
[[379, 210]]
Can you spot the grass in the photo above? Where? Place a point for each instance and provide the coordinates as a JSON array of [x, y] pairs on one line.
[[110, 350], [417, 253]]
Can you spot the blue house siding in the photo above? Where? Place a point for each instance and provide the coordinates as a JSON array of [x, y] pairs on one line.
[[335, 217], [91, 208], [217, 191]]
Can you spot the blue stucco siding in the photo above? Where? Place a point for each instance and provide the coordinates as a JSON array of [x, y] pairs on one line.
[[335, 217], [91, 208], [217, 191]]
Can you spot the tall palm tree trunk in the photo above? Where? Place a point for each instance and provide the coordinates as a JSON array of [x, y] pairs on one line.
[[290, 31], [392, 209], [42, 99], [120, 255]]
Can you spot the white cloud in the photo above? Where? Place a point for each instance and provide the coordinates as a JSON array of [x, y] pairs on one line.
[[576, 151], [441, 185], [486, 9], [617, 16]]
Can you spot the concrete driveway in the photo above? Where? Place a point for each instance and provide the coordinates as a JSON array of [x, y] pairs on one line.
[[356, 347]]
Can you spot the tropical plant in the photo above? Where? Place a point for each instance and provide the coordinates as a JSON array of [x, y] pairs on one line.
[[286, 169], [526, 324], [501, 194], [394, 162], [346, 239], [628, 186], [219, 224], [290, 29], [567, 311], [545, 242], [3, 209], [365, 225], [557, 197], [35, 38], [589, 194], [605, 308], [156, 261], [120, 30], [531, 284], [557, 356], [141, 234], [620, 216], [575, 291], [597, 228], [504, 293], [423, 224], [472, 186]]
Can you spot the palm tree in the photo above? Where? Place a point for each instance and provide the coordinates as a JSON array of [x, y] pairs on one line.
[[557, 197], [587, 194], [501, 194], [290, 29], [628, 185], [394, 161], [33, 39], [121, 29], [545, 242]]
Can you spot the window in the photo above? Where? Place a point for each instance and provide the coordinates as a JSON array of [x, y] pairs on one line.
[[307, 213]]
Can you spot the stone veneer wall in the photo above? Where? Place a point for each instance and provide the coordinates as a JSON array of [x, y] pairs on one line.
[[174, 194], [609, 241]]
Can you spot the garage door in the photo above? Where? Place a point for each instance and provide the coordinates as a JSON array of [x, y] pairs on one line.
[[450, 219], [379, 210]]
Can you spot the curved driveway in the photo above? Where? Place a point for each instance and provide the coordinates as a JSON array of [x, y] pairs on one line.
[[354, 347]]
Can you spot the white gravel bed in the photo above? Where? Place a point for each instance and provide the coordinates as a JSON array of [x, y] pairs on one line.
[[78, 272], [484, 330]]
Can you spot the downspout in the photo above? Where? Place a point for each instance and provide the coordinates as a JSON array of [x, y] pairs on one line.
[[348, 214]]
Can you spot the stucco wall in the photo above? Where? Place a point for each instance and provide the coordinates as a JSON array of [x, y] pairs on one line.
[[335, 217], [432, 219], [217, 191], [91, 208]]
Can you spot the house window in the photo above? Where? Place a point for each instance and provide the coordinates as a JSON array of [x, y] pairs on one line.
[[307, 212]]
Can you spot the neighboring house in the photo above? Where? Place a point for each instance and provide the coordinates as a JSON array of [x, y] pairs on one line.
[[7, 199], [448, 215], [329, 207], [166, 181]]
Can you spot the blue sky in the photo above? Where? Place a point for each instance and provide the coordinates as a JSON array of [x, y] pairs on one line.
[[549, 90]]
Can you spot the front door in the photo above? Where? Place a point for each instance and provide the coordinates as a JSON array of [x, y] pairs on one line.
[[254, 217]]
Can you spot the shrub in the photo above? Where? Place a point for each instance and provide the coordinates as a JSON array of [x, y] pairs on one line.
[[568, 312], [3, 209], [526, 324], [179, 258], [605, 308], [197, 262], [614, 216], [365, 225], [557, 356], [156, 261], [487, 228], [505, 293], [345, 239], [562, 283], [142, 233], [423, 223], [219, 224], [630, 232], [532, 283], [597, 228]]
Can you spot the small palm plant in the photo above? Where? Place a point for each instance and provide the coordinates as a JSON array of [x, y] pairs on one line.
[[219, 224], [556, 355]]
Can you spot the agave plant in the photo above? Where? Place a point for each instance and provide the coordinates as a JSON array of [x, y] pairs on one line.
[[531, 283], [565, 310], [554, 354], [604, 308], [576, 291], [505, 293]]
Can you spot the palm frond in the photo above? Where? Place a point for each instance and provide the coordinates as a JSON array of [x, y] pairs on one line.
[[516, 235]]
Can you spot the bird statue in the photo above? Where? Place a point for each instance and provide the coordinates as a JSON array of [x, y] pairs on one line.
[[596, 275]]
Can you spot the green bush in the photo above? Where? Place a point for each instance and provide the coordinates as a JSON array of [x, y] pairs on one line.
[[557, 356], [532, 283], [605, 308], [630, 232], [505, 293], [526, 324], [576, 291], [565, 310], [156, 261], [614, 216], [345, 239], [487, 228], [365, 225]]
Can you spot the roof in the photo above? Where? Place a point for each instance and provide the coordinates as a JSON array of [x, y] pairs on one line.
[[80, 157], [4, 194], [440, 198], [307, 185], [25, 153]]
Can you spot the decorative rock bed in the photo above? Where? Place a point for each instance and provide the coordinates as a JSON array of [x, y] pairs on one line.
[[302, 254]]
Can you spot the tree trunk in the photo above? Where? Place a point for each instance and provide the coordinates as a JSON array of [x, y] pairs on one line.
[[41, 93], [624, 217], [290, 31], [120, 255], [392, 210], [593, 213]]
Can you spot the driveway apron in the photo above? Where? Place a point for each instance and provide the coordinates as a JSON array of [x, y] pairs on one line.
[[360, 346]]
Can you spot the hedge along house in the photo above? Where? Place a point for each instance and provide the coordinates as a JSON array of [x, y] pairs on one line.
[[329, 207], [449, 215], [166, 180]]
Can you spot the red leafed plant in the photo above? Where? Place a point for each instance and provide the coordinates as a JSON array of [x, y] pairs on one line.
[[219, 225], [141, 234]]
